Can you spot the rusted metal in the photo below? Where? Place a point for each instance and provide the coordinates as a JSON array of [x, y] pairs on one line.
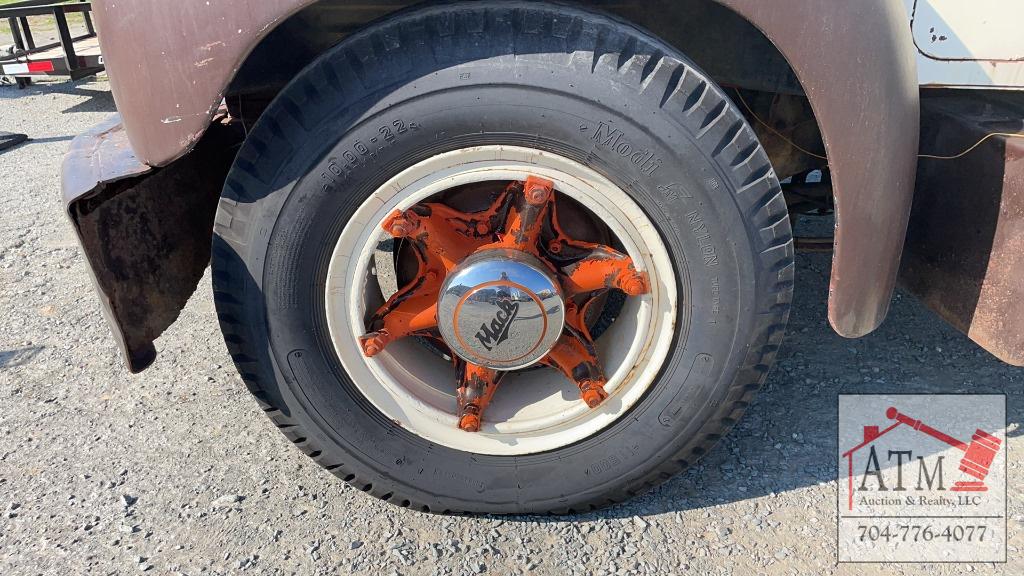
[[814, 244], [168, 84], [965, 247], [440, 237], [145, 231], [843, 48], [477, 386], [593, 267], [575, 356], [522, 218], [526, 213], [168, 87], [100, 156]]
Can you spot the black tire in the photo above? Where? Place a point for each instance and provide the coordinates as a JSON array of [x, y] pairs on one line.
[[500, 73]]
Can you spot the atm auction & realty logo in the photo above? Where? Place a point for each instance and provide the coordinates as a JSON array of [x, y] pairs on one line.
[[922, 478]]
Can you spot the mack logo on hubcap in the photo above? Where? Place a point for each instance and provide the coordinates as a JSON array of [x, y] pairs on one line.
[[497, 332], [501, 309]]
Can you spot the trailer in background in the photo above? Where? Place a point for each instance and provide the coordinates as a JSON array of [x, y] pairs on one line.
[[74, 56]]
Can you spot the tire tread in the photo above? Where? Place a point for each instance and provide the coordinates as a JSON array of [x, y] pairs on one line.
[[702, 112]]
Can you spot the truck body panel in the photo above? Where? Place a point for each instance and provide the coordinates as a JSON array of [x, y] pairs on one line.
[[856, 62], [974, 44]]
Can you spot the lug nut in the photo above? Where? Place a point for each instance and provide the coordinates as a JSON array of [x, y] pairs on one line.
[[482, 228], [537, 195], [470, 423], [592, 393], [399, 225], [555, 246], [374, 344]]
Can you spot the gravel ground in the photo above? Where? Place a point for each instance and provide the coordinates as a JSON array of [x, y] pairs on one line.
[[177, 471]]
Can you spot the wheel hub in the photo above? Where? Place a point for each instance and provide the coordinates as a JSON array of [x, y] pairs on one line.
[[502, 288], [501, 309]]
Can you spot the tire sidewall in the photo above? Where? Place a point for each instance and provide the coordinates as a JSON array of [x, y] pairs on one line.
[[552, 106]]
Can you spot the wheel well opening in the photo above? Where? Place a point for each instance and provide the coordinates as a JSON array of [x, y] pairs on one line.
[[725, 45], [732, 51]]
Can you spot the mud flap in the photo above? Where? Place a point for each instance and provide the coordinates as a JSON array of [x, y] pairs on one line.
[[145, 232]]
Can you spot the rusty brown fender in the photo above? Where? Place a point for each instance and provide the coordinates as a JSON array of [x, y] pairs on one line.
[[171, 62], [854, 59], [856, 62]]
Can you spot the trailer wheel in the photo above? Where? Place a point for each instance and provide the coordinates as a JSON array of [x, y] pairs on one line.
[[503, 257]]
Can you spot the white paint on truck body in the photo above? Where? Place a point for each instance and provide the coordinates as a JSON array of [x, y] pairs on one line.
[[968, 43]]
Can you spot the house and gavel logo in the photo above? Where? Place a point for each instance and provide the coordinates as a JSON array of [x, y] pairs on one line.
[[974, 464], [921, 478]]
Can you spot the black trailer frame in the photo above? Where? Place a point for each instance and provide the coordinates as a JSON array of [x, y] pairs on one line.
[[59, 58]]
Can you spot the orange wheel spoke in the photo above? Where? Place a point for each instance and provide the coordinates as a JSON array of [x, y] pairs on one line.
[[477, 386], [525, 219], [593, 267], [410, 311], [446, 235], [405, 314], [441, 237], [575, 356], [602, 269]]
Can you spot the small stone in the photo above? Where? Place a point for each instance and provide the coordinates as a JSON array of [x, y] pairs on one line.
[[227, 500], [128, 500], [355, 544]]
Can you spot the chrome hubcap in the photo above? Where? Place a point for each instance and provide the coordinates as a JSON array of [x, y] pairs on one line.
[[501, 309]]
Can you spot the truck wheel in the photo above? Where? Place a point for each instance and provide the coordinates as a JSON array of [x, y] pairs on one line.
[[503, 257]]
